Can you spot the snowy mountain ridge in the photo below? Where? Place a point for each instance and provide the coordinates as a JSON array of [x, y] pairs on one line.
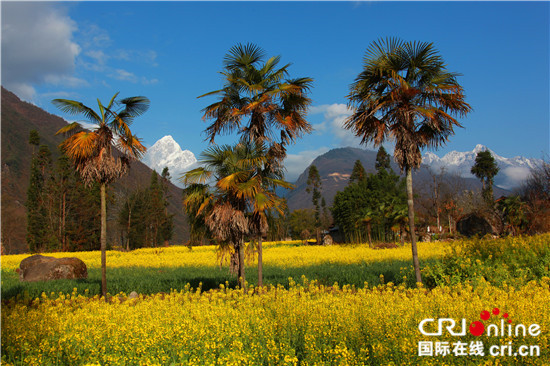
[[511, 174], [166, 152]]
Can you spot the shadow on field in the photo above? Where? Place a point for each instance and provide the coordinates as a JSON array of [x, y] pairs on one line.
[[153, 280]]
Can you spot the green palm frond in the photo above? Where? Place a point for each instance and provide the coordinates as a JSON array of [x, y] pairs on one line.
[[243, 56], [77, 108], [69, 128], [112, 101], [135, 106], [196, 176]]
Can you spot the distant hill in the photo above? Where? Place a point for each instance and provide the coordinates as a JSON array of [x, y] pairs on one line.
[[335, 167], [18, 119]]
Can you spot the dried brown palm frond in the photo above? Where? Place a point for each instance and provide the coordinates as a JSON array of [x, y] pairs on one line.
[[103, 169], [227, 224]]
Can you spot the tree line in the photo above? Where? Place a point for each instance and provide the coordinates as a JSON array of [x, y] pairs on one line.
[[63, 212]]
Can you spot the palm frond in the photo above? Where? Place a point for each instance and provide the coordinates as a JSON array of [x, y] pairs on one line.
[[69, 128], [112, 101], [135, 106], [196, 176], [77, 108], [131, 146], [81, 146], [240, 56]]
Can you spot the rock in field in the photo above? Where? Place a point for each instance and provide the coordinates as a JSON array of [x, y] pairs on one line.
[[327, 240], [42, 268]]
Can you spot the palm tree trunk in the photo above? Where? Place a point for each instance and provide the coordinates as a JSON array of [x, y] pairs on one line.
[[128, 227], [410, 203], [240, 251], [369, 229], [103, 242], [260, 262]]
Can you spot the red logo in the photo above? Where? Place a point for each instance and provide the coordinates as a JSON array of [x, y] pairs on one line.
[[477, 328]]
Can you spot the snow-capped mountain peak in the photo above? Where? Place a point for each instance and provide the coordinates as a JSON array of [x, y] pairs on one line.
[[512, 171], [479, 148], [166, 152]]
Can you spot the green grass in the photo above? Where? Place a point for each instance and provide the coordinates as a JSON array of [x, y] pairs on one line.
[[153, 280]]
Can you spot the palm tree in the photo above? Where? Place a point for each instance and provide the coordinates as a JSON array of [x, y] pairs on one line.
[[235, 206], [261, 104], [405, 93], [257, 91], [92, 151]]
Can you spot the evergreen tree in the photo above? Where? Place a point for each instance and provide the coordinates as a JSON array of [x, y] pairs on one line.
[[156, 209], [161, 220], [382, 160], [34, 139], [300, 220], [485, 168], [325, 219], [39, 225], [37, 221], [167, 226], [314, 186], [358, 173], [75, 208], [369, 209]]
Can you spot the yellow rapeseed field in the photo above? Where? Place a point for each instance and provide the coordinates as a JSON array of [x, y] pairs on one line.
[[275, 253], [306, 323]]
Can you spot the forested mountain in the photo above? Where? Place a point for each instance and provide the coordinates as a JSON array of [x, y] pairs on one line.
[[335, 168], [18, 119]]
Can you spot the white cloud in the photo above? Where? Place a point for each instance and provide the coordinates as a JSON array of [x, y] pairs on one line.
[[334, 117], [124, 75], [515, 176], [65, 80], [148, 56], [92, 36], [99, 56], [37, 46], [295, 164]]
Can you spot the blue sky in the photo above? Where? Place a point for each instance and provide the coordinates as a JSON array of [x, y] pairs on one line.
[[172, 52]]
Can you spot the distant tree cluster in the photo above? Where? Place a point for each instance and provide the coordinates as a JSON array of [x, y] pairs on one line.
[[372, 206], [62, 213], [143, 217], [535, 198]]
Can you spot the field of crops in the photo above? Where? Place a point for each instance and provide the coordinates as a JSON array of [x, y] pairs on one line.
[[294, 322], [154, 270]]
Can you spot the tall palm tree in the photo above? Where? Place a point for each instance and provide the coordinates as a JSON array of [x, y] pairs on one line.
[[92, 151], [261, 104], [405, 93], [236, 204], [258, 102]]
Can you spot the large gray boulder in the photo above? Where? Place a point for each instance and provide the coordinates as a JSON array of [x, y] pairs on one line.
[[474, 224], [42, 268]]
